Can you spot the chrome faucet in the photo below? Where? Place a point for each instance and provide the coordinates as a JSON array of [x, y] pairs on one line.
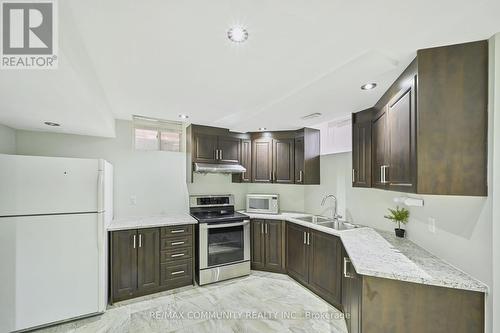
[[335, 216]]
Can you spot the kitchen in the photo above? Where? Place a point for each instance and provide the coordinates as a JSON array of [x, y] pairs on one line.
[[302, 181]]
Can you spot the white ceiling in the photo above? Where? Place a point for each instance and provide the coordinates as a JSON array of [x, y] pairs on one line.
[[159, 58]]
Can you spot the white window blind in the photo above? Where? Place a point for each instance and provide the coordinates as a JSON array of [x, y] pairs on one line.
[[155, 134]]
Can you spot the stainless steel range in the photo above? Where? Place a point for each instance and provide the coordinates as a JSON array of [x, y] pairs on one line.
[[223, 238]]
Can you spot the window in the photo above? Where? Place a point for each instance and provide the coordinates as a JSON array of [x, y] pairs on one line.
[[155, 134]]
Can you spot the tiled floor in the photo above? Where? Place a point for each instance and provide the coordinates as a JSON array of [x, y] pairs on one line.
[[261, 302]]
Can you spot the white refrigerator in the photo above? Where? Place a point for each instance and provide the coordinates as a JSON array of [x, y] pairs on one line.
[[53, 240]]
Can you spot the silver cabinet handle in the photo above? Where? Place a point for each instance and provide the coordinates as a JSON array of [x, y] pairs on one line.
[[262, 228], [177, 255], [221, 154], [305, 242], [353, 175], [308, 238], [134, 240], [178, 272], [346, 274], [177, 231], [383, 174], [301, 176], [265, 227], [140, 240], [177, 243]]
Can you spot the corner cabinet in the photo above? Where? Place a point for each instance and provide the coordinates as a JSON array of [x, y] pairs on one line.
[[314, 259], [267, 245], [145, 261], [429, 130]]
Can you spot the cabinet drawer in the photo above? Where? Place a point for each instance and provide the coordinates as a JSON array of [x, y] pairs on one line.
[[176, 231], [177, 273], [176, 254], [177, 242]]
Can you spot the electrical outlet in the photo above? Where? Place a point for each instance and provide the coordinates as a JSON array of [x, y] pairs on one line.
[[431, 225], [133, 200]]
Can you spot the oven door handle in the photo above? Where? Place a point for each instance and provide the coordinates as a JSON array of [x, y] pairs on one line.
[[213, 226]]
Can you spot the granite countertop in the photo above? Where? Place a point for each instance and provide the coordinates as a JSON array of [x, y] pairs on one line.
[[140, 222], [381, 254]]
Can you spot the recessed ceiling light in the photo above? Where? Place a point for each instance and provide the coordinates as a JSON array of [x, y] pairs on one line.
[[262, 129], [368, 86], [183, 116], [50, 123], [237, 34]]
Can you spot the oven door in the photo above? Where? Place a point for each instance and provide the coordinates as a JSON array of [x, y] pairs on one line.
[[224, 243]]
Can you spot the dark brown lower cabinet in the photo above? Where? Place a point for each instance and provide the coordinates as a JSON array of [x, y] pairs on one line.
[[314, 259], [145, 261], [267, 245], [379, 305], [124, 263]]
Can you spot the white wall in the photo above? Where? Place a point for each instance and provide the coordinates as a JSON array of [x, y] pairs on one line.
[[156, 179], [7, 140]]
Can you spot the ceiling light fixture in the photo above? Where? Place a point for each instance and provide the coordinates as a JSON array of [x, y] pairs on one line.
[[311, 116], [262, 129], [368, 86], [183, 116], [50, 123], [237, 34]]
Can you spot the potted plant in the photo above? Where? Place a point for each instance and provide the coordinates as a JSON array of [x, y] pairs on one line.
[[399, 215]]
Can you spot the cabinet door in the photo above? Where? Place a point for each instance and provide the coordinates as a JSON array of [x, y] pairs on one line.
[[325, 266], [401, 173], [257, 244], [246, 160], [205, 146], [296, 252], [380, 150], [299, 160], [148, 259], [262, 156], [361, 154], [351, 296], [229, 150], [273, 235], [283, 161], [124, 263]]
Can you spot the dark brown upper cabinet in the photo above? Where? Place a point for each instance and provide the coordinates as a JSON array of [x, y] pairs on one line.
[[361, 148], [267, 245], [246, 162], [262, 160], [307, 156], [430, 128], [281, 157], [283, 161]]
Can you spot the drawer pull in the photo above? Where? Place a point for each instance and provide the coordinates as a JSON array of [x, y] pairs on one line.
[[177, 231], [177, 243], [176, 273], [177, 255]]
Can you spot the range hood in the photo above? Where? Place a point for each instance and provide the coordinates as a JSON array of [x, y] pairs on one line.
[[218, 168]]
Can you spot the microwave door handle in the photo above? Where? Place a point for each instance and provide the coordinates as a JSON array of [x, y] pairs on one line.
[[225, 225]]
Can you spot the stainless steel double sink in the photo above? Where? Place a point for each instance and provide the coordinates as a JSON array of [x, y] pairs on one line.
[[329, 223]]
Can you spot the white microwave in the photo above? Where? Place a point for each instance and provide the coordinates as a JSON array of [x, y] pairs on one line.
[[263, 203]]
